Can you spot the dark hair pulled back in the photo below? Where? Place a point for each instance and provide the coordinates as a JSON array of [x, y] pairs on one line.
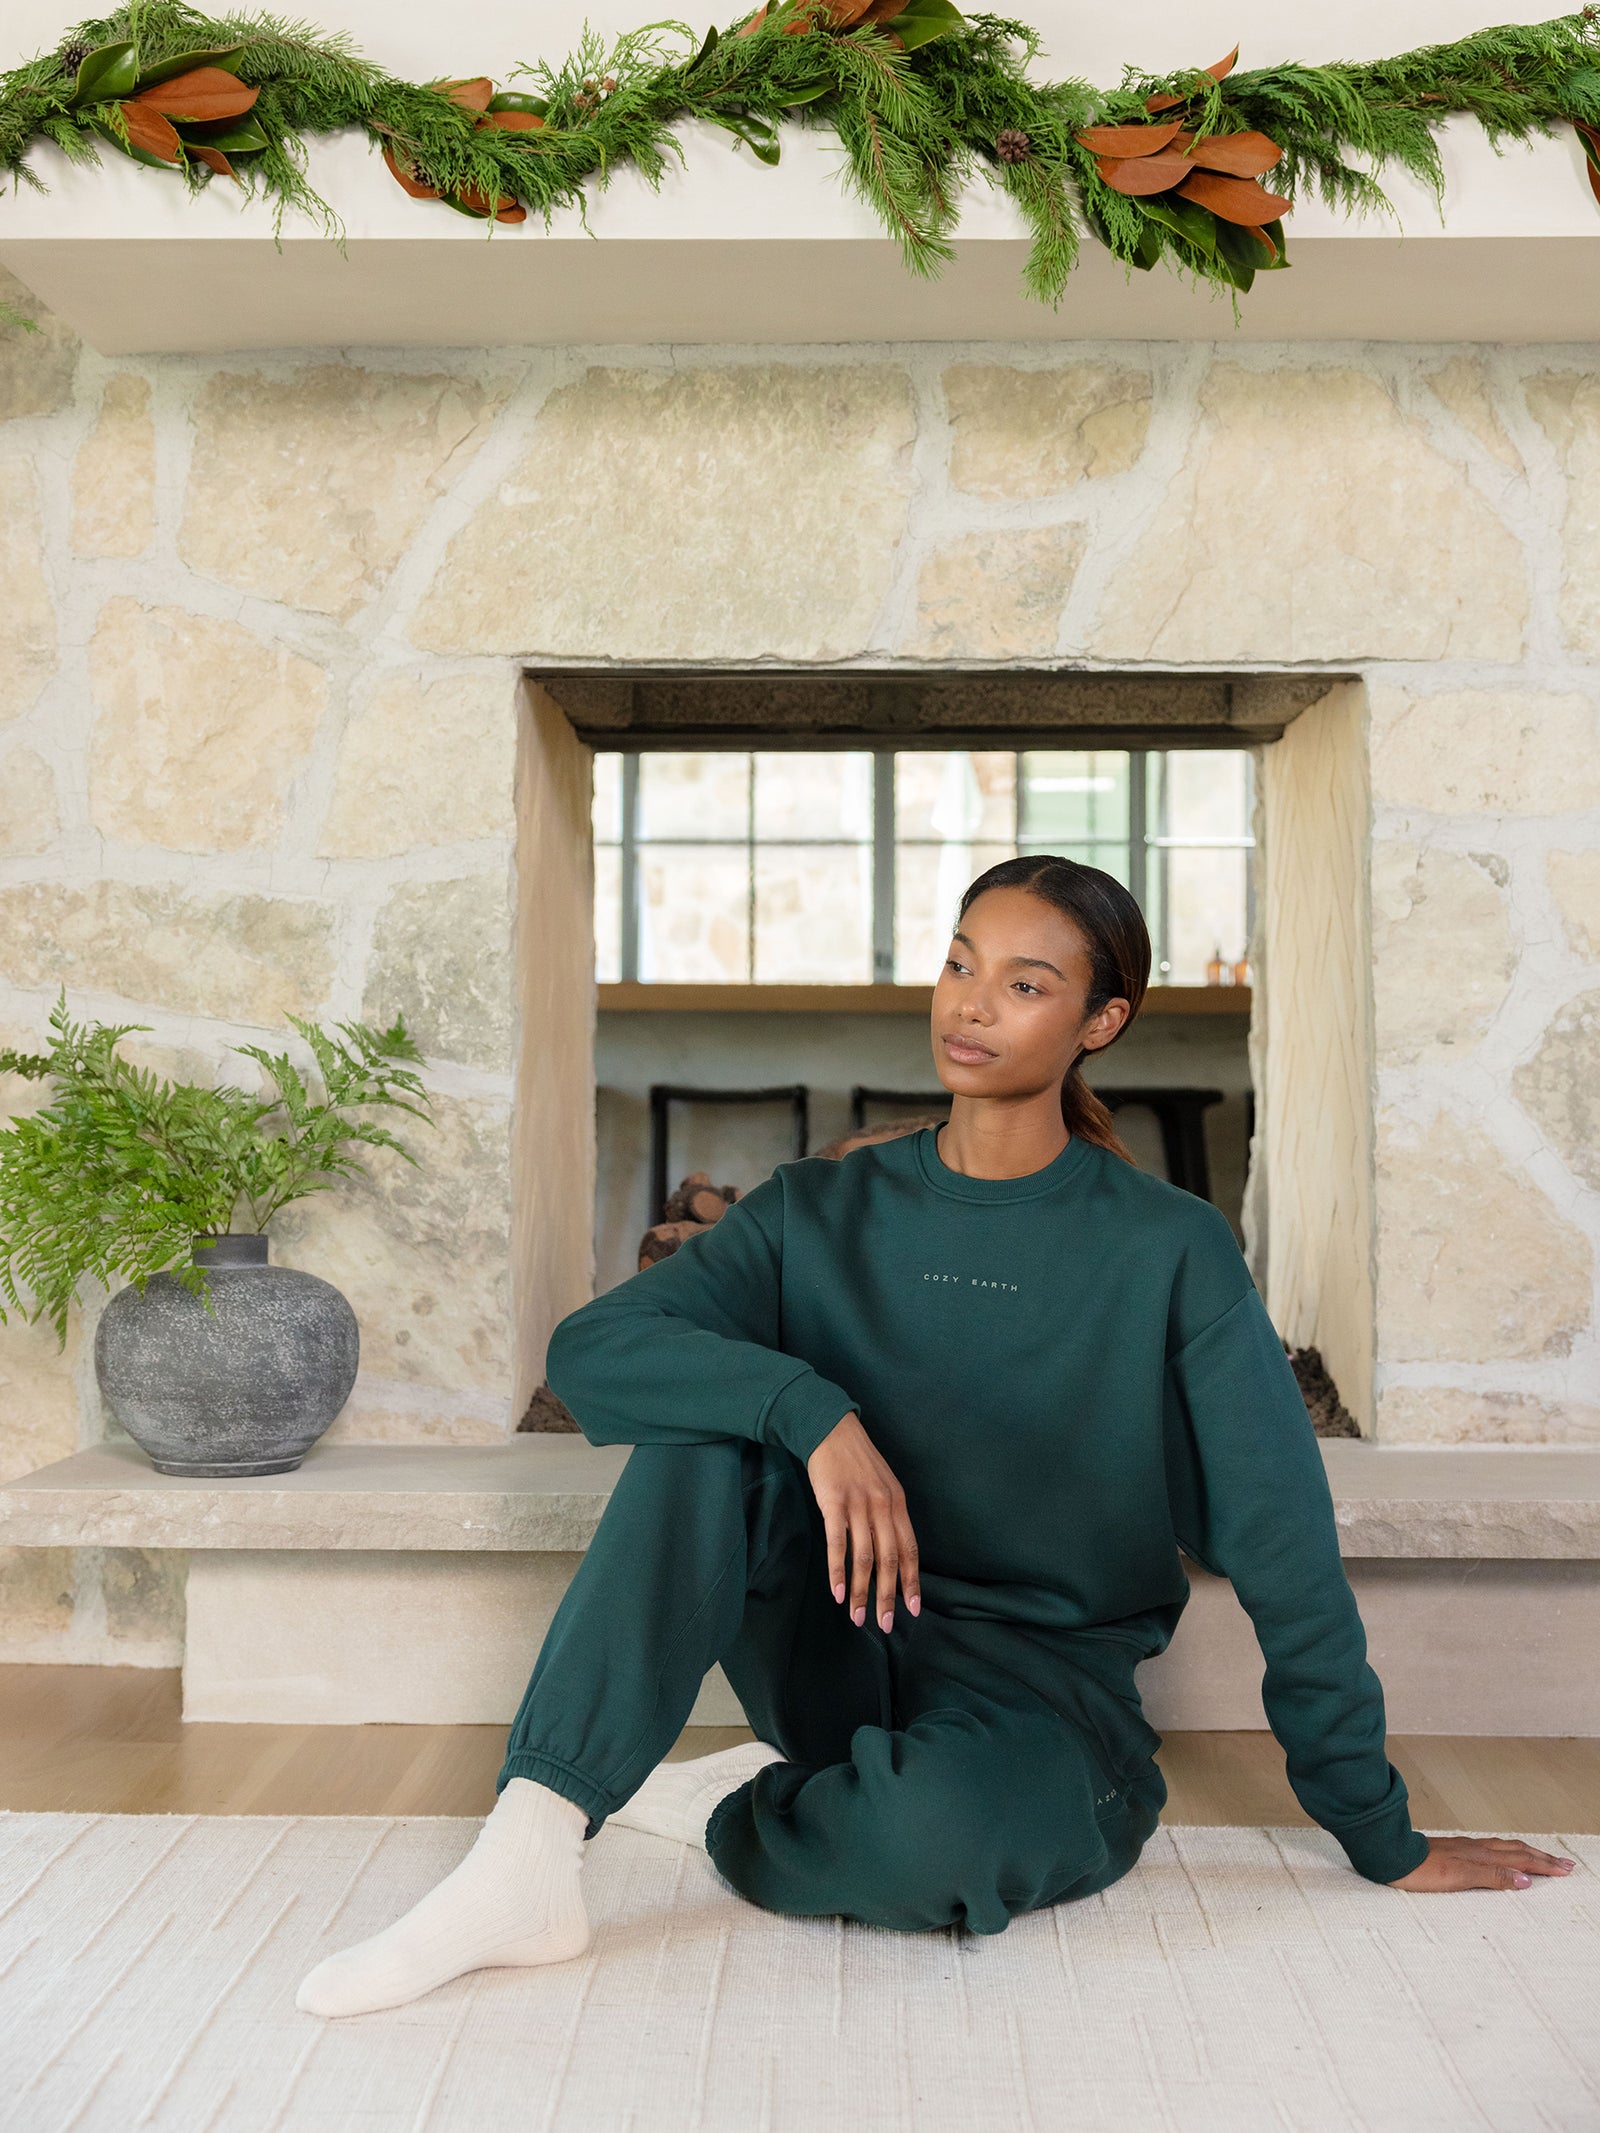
[[1114, 932]]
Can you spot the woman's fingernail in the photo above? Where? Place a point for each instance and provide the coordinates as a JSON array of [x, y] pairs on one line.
[[858, 1616], [1522, 1881], [914, 1607], [1566, 1865], [886, 1621], [838, 1593]]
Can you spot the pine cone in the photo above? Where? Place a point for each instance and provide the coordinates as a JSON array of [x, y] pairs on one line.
[[1013, 145], [72, 57]]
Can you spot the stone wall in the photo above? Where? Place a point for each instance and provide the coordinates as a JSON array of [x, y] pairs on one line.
[[259, 721]]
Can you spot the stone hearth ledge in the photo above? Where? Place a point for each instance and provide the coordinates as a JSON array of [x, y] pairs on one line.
[[539, 1494]]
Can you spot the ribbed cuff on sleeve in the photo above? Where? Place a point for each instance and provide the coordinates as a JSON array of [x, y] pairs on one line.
[[1384, 1846], [802, 1412]]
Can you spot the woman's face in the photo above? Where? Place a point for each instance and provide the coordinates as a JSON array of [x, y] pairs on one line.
[[1009, 1006]]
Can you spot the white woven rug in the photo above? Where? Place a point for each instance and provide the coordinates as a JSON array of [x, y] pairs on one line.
[[1238, 1979]]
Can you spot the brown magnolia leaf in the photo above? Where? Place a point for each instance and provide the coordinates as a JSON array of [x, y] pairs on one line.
[[1126, 140], [1145, 174], [213, 159], [1241, 155], [148, 130], [201, 95], [507, 208], [471, 95], [748, 29], [402, 175], [1234, 199], [1219, 71], [511, 121], [882, 11]]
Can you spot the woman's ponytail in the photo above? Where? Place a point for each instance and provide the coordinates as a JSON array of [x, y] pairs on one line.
[[1087, 1118], [1118, 943]]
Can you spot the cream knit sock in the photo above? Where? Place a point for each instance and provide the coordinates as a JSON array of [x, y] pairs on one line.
[[676, 1799], [513, 1900]]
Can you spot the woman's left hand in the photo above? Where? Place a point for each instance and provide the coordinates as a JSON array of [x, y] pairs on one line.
[[1479, 1863]]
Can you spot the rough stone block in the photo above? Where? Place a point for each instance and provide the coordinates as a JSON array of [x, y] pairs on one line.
[[38, 1593], [424, 763], [441, 956], [143, 1595], [422, 1253], [27, 612], [309, 488], [997, 595], [114, 475], [240, 958], [1029, 433], [202, 729], [1444, 1414], [1462, 386], [1575, 884], [1566, 405], [1559, 1086], [1442, 952], [1494, 751], [29, 817], [1474, 1263], [1313, 520], [778, 494]]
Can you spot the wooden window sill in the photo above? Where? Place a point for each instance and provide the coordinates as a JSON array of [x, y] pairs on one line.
[[872, 999]]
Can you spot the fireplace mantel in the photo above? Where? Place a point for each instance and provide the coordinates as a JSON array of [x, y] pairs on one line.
[[731, 252]]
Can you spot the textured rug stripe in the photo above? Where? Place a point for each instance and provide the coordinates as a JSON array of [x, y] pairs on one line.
[[1239, 1979]]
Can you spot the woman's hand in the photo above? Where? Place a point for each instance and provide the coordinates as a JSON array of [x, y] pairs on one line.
[[863, 1503], [1479, 1863]]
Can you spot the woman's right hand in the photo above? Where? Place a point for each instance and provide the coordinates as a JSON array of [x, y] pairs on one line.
[[864, 1505]]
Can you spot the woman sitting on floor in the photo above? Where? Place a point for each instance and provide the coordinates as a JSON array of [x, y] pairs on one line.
[[984, 1380]]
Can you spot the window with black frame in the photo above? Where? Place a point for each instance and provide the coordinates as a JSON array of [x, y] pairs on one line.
[[845, 866]]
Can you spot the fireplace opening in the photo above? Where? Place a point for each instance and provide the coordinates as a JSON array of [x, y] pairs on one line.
[[772, 866]]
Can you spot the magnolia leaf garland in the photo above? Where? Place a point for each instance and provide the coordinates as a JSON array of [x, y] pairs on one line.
[[922, 99]]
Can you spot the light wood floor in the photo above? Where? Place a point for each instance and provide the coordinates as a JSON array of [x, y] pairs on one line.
[[111, 1740]]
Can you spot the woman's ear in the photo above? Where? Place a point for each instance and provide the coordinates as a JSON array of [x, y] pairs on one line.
[[1101, 1027]]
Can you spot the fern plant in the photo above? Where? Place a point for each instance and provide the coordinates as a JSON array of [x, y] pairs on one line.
[[121, 1170]]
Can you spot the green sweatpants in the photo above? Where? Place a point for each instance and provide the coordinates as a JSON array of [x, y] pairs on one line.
[[948, 1772]]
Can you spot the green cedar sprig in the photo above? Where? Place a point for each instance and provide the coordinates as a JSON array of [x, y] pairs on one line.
[[122, 1170]]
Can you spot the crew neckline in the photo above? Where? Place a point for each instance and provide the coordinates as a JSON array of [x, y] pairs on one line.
[[956, 1185]]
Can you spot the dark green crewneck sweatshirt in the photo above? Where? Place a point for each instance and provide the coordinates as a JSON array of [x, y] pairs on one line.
[[1073, 1376]]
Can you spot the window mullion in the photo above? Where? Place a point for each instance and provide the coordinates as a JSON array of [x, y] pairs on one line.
[[630, 867], [883, 856], [750, 865]]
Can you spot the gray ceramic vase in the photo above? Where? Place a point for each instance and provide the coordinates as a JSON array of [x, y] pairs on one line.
[[246, 1392]]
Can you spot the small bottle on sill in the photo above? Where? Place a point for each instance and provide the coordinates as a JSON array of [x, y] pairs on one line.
[[1216, 968]]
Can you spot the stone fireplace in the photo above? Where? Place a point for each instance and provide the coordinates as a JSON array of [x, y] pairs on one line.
[[302, 658]]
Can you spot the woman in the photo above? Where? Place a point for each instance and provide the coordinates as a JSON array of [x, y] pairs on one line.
[[920, 1433]]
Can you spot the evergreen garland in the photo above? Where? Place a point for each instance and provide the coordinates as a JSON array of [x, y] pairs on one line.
[[922, 99]]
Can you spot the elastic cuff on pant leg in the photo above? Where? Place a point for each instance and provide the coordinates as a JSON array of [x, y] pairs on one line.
[[720, 1813], [571, 1784]]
